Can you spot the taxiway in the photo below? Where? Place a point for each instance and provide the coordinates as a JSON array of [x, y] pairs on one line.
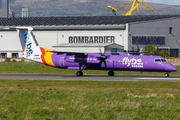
[[23, 76]]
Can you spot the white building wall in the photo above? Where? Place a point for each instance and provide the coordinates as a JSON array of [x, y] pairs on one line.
[[63, 36], [81, 49], [46, 39], [125, 37], [10, 43]]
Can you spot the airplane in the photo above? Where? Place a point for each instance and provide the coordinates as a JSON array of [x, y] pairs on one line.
[[94, 61]]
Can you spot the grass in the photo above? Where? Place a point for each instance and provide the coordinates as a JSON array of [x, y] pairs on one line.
[[51, 100], [102, 100], [32, 67]]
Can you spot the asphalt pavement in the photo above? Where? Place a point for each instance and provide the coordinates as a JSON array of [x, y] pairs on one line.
[[23, 76]]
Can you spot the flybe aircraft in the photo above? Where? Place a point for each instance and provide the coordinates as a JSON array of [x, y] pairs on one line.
[[95, 61]]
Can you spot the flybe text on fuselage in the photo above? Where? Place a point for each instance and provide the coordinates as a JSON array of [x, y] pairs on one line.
[[28, 43], [137, 63], [91, 39]]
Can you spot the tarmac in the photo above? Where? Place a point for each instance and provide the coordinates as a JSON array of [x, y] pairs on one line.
[[89, 77]]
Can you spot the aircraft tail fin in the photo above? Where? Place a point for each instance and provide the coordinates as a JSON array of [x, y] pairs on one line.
[[29, 44]]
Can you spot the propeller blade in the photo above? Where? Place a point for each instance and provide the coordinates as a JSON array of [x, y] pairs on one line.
[[103, 57], [105, 64], [100, 50], [102, 60]]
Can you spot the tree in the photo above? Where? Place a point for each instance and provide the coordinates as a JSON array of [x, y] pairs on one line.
[[151, 50], [164, 53], [155, 51]]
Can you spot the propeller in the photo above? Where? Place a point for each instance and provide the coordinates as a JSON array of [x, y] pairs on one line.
[[102, 58]]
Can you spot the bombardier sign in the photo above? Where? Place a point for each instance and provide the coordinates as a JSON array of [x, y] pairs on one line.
[[145, 40], [91, 39]]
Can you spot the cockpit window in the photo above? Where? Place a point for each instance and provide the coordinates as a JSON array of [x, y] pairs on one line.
[[157, 60], [160, 60], [163, 60]]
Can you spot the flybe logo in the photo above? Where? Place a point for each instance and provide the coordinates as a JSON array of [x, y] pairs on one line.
[[28, 43], [137, 63]]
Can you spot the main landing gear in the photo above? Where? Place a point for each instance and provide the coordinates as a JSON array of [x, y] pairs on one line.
[[111, 73], [167, 74], [79, 73]]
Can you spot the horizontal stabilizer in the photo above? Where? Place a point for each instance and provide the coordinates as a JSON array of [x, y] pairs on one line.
[[20, 28]]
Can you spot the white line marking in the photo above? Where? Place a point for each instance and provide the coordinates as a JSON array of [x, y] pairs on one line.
[[158, 78]]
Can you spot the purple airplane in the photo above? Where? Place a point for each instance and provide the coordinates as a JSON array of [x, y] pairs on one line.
[[93, 61]]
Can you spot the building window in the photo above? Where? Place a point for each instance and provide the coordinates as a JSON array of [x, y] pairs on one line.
[[15, 55], [174, 52], [3, 55], [113, 50], [170, 30]]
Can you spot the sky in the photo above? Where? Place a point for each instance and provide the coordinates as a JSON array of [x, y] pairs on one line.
[[170, 2]]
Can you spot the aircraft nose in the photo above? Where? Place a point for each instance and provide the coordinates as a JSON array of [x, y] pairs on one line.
[[174, 69], [171, 68]]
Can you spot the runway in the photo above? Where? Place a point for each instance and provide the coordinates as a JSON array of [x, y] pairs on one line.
[[24, 76]]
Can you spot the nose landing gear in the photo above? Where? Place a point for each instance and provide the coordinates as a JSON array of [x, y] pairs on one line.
[[167, 74]]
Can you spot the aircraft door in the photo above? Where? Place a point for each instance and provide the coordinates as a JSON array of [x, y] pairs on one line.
[[61, 61]]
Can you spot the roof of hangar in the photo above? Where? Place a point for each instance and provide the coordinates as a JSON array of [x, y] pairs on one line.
[[80, 20]]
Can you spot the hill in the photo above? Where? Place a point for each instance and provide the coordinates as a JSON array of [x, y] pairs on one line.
[[48, 8]]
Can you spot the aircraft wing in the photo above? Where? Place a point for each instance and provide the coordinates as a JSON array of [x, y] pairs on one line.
[[68, 53], [97, 55]]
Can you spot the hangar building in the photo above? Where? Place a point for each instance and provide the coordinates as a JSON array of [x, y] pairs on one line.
[[94, 33]]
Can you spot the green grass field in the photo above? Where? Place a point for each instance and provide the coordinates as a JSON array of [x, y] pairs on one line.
[[85, 100], [32, 67], [78, 100]]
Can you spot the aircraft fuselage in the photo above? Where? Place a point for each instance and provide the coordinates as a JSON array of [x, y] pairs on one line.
[[122, 62]]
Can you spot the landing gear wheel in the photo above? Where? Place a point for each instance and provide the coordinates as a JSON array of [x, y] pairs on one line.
[[79, 73], [167, 74], [111, 73]]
